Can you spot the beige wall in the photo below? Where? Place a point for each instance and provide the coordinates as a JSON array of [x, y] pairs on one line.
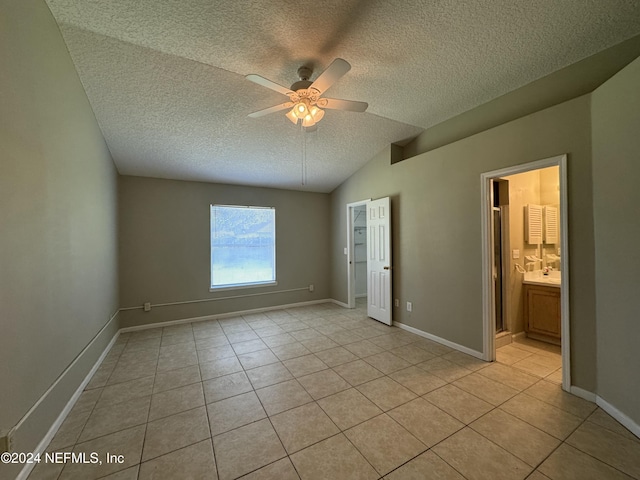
[[58, 228], [436, 225], [165, 247], [550, 186], [616, 180]]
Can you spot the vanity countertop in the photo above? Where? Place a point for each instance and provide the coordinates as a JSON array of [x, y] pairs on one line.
[[554, 279]]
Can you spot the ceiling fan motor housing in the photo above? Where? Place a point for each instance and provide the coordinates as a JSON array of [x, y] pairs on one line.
[[304, 73], [301, 85]]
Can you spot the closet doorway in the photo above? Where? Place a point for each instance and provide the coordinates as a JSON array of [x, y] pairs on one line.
[[369, 251], [357, 253]]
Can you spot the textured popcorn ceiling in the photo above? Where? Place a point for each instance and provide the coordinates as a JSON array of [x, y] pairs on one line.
[[166, 77]]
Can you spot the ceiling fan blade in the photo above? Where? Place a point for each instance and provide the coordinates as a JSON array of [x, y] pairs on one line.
[[267, 111], [332, 74], [269, 84], [349, 105]]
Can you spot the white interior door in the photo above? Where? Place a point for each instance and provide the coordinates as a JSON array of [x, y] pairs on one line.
[[379, 260]]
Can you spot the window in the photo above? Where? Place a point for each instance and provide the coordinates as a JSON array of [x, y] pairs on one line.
[[243, 246]]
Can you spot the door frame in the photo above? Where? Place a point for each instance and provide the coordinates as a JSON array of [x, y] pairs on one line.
[[489, 333], [350, 252]]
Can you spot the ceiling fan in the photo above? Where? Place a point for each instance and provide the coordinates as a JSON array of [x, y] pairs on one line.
[[305, 97]]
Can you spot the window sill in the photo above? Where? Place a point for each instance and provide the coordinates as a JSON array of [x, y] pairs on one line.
[[242, 286]]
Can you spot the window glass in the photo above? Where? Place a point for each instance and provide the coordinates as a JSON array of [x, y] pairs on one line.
[[243, 246]]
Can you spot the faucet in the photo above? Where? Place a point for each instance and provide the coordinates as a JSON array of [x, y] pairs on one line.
[[533, 260]]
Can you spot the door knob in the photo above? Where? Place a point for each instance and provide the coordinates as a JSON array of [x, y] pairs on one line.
[[387, 267]]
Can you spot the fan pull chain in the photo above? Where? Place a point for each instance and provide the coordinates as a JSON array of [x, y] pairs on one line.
[[304, 155]]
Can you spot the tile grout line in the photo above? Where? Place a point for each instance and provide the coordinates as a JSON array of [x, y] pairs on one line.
[[562, 442], [587, 453], [454, 468], [146, 425], [288, 455], [90, 414], [206, 410]]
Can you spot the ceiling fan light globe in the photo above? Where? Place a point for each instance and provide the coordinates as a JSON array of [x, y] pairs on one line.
[[292, 116], [301, 109], [308, 121], [317, 114]]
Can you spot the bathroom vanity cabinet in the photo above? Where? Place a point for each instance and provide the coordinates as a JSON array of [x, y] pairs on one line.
[[542, 313]]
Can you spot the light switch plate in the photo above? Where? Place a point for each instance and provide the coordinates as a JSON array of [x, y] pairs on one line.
[[516, 253]]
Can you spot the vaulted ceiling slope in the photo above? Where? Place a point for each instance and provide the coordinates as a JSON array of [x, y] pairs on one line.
[[166, 77]]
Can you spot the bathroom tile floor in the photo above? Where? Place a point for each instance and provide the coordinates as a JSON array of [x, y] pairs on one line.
[[322, 392], [532, 356]]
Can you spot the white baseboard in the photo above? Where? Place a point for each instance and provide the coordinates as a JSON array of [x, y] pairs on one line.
[[620, 417], [337, 302], [222, 315], [41, 447], [623, 419], [584, 394], [455, 346]]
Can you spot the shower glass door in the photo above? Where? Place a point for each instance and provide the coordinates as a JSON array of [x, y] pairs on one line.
[[497, 268]]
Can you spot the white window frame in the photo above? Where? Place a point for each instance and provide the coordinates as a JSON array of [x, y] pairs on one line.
[[238, 286]]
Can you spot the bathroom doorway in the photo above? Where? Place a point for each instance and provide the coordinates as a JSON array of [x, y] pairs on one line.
[[525, 259]]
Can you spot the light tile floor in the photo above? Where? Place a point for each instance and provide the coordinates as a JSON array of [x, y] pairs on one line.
[[323, 392]]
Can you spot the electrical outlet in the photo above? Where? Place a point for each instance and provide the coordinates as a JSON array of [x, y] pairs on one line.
[[311, 288], [409, 306], [147, 307], [397, 302]]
